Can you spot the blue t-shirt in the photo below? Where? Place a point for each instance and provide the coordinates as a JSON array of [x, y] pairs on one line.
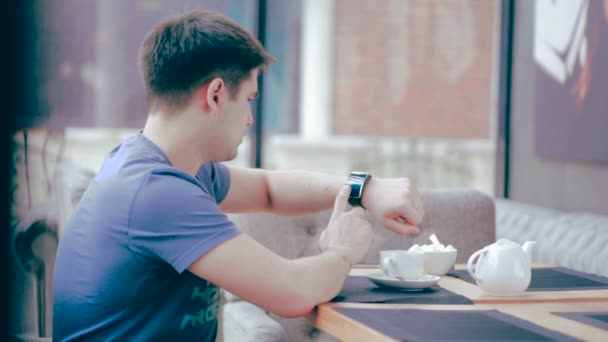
[[121, 266]]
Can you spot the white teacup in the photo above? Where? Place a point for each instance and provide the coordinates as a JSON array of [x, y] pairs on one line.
[[402, 264]]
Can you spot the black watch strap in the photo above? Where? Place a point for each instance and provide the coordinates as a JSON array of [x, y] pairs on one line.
[[357, 182]]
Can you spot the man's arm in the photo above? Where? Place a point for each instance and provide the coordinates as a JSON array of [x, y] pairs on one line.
[[280, 192], [289, 288], [285, 287], [393, 201]]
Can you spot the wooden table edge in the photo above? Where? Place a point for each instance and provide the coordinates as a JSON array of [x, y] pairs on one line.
[[326, 319]]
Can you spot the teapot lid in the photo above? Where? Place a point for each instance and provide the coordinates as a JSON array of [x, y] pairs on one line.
[[504, 244]]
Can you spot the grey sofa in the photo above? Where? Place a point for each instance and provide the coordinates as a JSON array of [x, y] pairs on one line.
[[464, 218], [574, 240]]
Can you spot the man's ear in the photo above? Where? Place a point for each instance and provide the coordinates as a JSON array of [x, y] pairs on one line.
[[210, 94]]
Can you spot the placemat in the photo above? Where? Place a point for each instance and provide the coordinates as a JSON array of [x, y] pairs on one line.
[[448, 325], [358, 289], [596, 319], [553, 279]]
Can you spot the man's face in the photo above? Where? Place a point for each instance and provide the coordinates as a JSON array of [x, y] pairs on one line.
[[237, 115]]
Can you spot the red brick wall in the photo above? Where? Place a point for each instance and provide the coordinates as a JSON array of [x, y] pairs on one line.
[[416, 68]]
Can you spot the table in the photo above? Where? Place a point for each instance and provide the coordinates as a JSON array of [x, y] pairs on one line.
[[474, 293], [536, 307]]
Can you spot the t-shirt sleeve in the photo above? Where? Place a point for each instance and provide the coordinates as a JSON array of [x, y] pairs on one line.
[[175, 220], [216, 177]]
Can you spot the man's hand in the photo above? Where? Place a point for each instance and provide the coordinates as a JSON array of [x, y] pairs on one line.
[[394, 202], [349, 232]]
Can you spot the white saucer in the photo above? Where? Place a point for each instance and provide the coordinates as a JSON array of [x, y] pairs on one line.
[[426, 280]]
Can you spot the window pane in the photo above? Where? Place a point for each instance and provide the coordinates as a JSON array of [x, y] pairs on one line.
[[410, 91], [281, 81], [88, 54]]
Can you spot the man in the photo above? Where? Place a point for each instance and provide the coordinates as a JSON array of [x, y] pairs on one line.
[[149, 244]]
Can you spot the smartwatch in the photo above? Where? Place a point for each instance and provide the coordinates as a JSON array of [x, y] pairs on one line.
[[357, 181]]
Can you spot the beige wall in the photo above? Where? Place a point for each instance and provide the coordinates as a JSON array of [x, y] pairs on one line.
[[571, 186]]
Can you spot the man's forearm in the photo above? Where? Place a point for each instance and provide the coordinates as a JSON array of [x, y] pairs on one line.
[[301, 192], [318, 279]]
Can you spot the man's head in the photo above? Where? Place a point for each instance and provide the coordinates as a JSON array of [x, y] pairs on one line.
[[204, 64], [181, 54]]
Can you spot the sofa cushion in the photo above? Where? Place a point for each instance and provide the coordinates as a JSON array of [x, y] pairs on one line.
[[240, 319]]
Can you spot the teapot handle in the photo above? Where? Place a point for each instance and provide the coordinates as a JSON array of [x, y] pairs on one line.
[[470, 264]]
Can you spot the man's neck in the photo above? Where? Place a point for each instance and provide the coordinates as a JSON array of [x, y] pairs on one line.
[[169, 135]]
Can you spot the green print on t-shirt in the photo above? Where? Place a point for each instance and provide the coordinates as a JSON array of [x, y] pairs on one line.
[[208, 313]]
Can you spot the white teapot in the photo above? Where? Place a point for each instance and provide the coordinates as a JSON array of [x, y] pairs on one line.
[[504, 268]]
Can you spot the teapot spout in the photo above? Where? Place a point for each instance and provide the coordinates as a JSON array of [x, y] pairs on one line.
[[528, 248]]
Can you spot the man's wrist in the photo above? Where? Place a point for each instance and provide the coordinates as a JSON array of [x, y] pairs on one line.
[[365, 196], [342, 256]]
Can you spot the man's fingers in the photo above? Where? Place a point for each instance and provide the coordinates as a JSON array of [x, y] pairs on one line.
[[417, 207], [399, 226], [413, 213], [341, 204], [323, 240]]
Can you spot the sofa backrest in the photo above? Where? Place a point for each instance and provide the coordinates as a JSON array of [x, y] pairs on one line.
[[462, 217], [574, 240]]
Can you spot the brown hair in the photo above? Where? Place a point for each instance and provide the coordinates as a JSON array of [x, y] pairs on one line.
[[183, 53]]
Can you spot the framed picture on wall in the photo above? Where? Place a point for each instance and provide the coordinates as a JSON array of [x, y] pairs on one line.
[[571, 66]]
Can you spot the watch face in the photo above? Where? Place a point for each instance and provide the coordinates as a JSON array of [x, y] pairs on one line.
[[359, 174]]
